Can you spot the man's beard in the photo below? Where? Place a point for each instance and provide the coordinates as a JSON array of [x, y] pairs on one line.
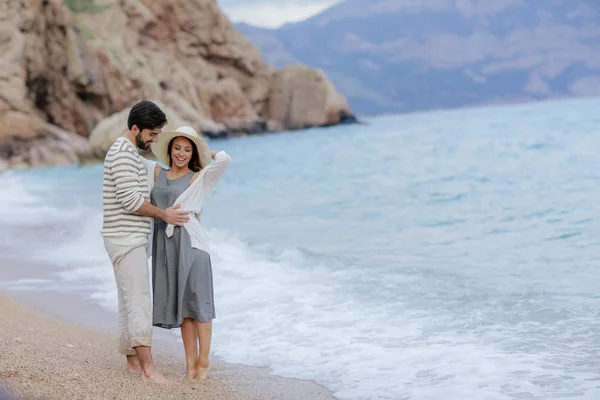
[[140, 143]]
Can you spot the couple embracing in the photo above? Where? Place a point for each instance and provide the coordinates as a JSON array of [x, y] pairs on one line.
[[143, 201]]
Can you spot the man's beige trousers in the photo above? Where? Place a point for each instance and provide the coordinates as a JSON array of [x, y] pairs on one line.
[[130, 265]]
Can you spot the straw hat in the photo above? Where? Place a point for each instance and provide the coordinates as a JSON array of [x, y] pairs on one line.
[[161, 148]]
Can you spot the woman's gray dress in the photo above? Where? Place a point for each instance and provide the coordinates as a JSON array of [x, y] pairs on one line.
[[182, 281]]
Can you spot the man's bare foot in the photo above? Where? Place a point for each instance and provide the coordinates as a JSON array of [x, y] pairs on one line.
[[202, 369], [133, 365], [134, 370], [153, 375], [191, 372]]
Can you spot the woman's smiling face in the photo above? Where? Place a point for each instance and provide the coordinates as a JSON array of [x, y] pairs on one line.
[[181, 151]]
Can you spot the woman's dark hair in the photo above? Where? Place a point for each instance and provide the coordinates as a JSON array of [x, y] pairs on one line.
[[194, 163], [146, 115]]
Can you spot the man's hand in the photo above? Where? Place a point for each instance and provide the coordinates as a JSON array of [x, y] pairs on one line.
[[175, 217]]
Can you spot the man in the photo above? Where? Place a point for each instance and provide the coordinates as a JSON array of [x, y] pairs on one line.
[[127, 223]]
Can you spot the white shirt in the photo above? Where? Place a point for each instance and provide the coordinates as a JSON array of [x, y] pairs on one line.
[[192, 199]]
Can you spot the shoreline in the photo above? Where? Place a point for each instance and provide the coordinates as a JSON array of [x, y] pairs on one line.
[[57, 345]]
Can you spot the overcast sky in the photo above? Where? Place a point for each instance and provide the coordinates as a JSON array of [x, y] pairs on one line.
[[272, 13]]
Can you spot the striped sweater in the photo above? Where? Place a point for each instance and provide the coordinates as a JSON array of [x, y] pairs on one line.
[[124, 189]]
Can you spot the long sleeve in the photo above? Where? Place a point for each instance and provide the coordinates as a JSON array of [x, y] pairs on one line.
[[124, 169], [193, 198], [124, 190], [214, 172]]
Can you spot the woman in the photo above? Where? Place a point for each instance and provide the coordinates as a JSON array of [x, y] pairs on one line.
[[181, 267]]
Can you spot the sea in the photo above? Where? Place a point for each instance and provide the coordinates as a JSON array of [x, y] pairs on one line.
[[442, 255]]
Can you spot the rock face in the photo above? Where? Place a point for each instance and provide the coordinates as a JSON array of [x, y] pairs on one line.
[[46, 80], [302, 97], [49, 146], [48, 70], [180, 52], [66, 70]]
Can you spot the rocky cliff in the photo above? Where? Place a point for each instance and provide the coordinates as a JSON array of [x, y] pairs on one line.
[[67, 65]]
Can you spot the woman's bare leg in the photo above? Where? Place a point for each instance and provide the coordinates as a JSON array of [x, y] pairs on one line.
[[189, 335], [204, 336]]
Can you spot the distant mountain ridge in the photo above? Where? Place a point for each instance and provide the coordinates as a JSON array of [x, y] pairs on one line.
[[390, 56]]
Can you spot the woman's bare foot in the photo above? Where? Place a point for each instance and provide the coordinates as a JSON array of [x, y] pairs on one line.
[[191, 372], [202, 369], [133, 365], [153, 375]]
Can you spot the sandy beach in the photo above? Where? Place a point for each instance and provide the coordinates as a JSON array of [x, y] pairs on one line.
[[42, 357], [58, 345]]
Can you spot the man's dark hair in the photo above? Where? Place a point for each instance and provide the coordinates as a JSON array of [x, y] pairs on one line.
[[146, 115]]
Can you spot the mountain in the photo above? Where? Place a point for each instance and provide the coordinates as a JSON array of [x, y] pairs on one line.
[[390, 56]]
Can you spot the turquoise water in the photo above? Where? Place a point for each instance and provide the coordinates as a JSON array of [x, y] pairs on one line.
[[441, 255]]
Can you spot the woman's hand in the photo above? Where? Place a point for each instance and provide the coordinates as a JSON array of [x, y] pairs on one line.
[[213, 154]]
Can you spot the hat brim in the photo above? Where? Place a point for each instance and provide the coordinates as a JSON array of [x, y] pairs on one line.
[[160, 149]]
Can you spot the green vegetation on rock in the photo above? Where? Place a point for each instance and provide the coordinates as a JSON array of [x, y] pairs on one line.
[[85, 6], [85, 30]]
